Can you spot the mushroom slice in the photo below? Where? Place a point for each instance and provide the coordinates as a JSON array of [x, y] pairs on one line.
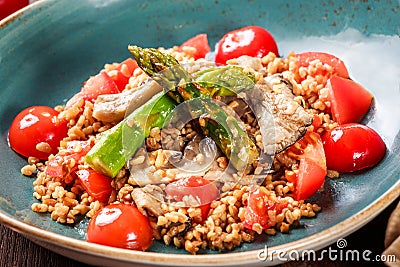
[[114, 107], [281, 119]]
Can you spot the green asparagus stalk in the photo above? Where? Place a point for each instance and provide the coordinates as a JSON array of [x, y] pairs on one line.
[[119, 143], [181, 86], [225, 81], [225, 130]]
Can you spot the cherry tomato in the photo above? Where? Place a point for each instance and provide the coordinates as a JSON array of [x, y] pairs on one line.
[[96, 184], [100, 84], [258, 206], [352, 147], [121, 226], [122, 72], [202, 190], [338, 65], [8, 7], [253, 41], [35, 126], [312, 168], [349, 100], [200, 43], [75, 150]]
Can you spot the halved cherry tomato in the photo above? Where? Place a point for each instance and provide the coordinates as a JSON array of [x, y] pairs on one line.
[[253, 41], [100, 84], [352, 147], [349, 100], [338, 65], [202, 190], [122, 72], [317, 122], [8, 7], [200, 43], [96, 184], [122, 226], [75, 150], [258, 206], [34, 126], [312, 168]]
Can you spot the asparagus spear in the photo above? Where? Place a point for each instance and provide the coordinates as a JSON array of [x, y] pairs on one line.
[[181, 86], [226, 81], [119, 143]]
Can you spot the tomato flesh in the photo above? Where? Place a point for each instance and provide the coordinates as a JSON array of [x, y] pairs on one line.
[[122, 72], [100, 84], [352, 147], [258, 206], [7, 7], [252, 41], [96, 184], [338, 65], [202, 190], [349, 100], [200, 43], [122, 226], [312, 168], [75, 150], [34, 126]]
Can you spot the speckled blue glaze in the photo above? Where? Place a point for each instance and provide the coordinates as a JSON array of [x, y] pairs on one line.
[[47, 51]]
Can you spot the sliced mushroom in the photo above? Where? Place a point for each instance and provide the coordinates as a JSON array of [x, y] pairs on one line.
[[282, 120], [114, 107], [149, 198]]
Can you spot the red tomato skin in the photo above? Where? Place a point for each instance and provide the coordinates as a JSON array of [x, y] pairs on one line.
[[312, 171], [258, 205], [253, 41], [96, 184], [55, 165], [34, 125], [123, 71], [340, 68], [310, 179], [200, 42], [121, 226], [99, 85], [352, 147], [349, 100], [201, 189], [7, 7]]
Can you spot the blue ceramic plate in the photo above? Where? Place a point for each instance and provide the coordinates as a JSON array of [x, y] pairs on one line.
[[48, 49]]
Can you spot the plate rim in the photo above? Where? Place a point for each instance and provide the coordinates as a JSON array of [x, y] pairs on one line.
[[313, 242]]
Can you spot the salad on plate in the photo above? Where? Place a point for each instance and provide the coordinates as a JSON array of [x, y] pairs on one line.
[[196, 148]]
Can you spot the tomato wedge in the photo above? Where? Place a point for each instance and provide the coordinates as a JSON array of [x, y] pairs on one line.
[[312, 168], [122, 72], [349, 100], [252, 41], [338, 65], [352, 147], [258, 206], [96, 184], [200, 189], [200, 43], [121, 226], [100, 84], [75, 150], [34, 126]]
